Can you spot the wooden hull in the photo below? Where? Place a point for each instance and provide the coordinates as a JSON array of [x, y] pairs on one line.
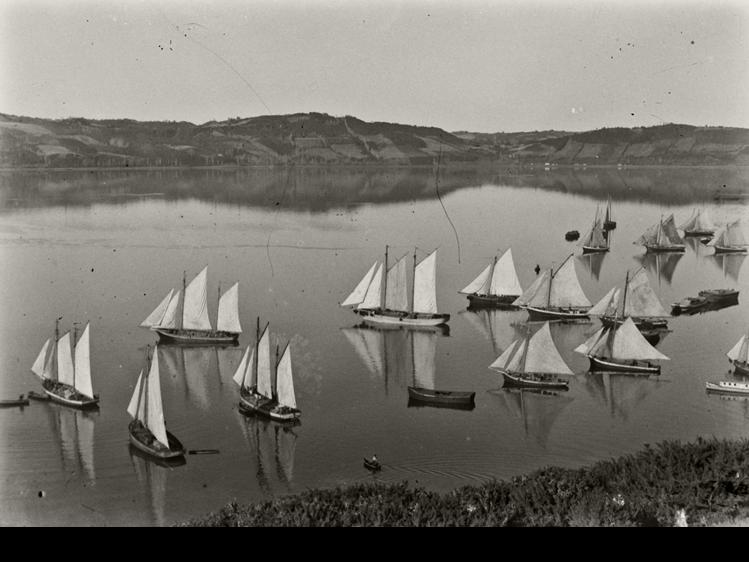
[[491, 301], [543, 314], [76, 402], [595, 249], [610, 365], [647, 326], [195, 337], [440, 396], [698, 233], [729, 250], [689, 306], [175, 449], [262, 406], [663, 249], [727, 387], [374, 466], [20, 401], [402, 319], [741, 368], [719, 294], [517, 380]]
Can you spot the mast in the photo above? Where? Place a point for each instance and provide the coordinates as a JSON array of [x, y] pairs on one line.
[[275, 386], [385, 281], [413, 292], [75, 337], [184, 288], [218, 302], [491, 274], [624, 300], [548, 295], [141, 390]]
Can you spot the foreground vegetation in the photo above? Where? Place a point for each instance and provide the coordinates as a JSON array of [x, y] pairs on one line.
[[700, 483]]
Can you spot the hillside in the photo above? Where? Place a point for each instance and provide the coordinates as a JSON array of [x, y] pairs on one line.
[[321, 139]]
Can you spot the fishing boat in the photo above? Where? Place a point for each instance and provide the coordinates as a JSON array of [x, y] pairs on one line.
[[496, 286], [185, 320], [621, 348], [639, 303], [20, 401], [555, 295], [147, 430], [275, 401], [66, 375], [720, 294], [662, 237], [689, 305], [739, 356], [729, 239], [372, 465], [597, 239], [384, 299], [728, 387], [533, 362], [698, 224], [608, 222]]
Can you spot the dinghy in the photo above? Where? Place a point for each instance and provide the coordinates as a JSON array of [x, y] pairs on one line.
[[533, 362], [739, 356], [66, 376], [662, 237], [147, 430], [20, 401], [496, 286], [698, 224], [185, 320], [729, 239]]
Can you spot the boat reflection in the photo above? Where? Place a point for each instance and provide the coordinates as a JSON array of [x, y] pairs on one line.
[[594, 262], [75, 429], [538, 409], [619, 392], [729, 264], [152, 474], [191, 367], [661, 264], [273, 448], [499, 327]]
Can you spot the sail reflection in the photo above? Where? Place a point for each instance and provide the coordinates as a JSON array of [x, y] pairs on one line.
[[538, 409], [729, 264], [661, 264], [622, 394], [188, 367], [593, 262], [499, 327], [152, 474], [273, 448], [75, 429]]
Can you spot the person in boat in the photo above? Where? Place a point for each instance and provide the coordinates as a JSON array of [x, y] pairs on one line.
[[374, 459]]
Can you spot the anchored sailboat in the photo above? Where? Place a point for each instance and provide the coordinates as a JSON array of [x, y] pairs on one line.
[[384, 299], [729, 239], [148, 430], [621, 348], [608, 222], [496, 285], [662, 237], [639, 302], [533, 362], [185, 320], [555, 295], [739, 356], [698, 224], [597, 240], [66, 376]]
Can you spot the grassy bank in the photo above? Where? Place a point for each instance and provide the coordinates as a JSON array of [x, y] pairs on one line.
[[702, 483]]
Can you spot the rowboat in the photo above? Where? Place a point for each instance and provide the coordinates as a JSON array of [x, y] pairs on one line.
[[440, 396], [20, 401]]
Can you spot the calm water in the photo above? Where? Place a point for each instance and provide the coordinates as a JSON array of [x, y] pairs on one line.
[[106, 247]]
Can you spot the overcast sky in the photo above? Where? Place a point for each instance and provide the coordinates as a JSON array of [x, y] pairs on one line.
[[460, 65]]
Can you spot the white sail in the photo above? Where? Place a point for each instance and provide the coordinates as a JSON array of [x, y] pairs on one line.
[[585, 347], [650, 236], [368, 345], [641, 300], [357, 295], [373, 296], [50, 367], [734, 235], [424, 351], [630, 344], [505, 279], [264, 381], [195, 313], [537, 293], [396, 292], [543, 356], [740, 351], [607, 305], [83, 365], [502, 361], [137, 406], [515, 363], [228, 311], [154, 406], [479, 285], [719, 237], [703, 222], [285, 380], [565, 288], [669, 229], [171, 315], [239, 374], [691, 222], [65, 368], [155, 318], [425, 285], [38, 367]]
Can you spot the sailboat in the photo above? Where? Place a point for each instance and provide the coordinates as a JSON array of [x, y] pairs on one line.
[[662, 237], [384, 300], [66, 376], [639, 303], [698, 224], [739, 356], [147, 430], [496, 285], [608, 222], [258, 393], [533, 362], [555, 295], [185, 320], [597, 240], [729, 239], [621, 348]]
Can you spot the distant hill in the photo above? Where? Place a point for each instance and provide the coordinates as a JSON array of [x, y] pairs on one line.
[[316, 138]]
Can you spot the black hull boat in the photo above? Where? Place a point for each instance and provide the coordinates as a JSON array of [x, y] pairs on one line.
[[196, 337], [594, 249], [441, 398], [740, 368], [650, 327], [714, 295], [492, 301], [20, 401], [632, 367], [689, 305], [142, 439], [534, 381], [68, 395], [555, 315]]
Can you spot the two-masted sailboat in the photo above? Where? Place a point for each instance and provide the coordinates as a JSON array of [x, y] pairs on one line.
[[497, 285], [739, 355], [621, 348], [597, 239], [533, 362], [148, 430], [662, 237], [66, 376], [259, 393], [555, 295], [384, 299], [698, 224], [185, 320], [729, 239], [639, 303]]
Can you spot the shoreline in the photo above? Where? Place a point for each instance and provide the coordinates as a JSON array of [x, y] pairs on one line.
[[700, 483]]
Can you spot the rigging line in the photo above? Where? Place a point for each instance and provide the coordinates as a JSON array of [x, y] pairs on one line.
[[439, 197]]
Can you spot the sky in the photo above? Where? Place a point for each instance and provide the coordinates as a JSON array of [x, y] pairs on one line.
[[475, 65]]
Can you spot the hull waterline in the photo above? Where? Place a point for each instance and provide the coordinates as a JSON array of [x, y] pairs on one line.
[[609, 365], [191, 337]]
